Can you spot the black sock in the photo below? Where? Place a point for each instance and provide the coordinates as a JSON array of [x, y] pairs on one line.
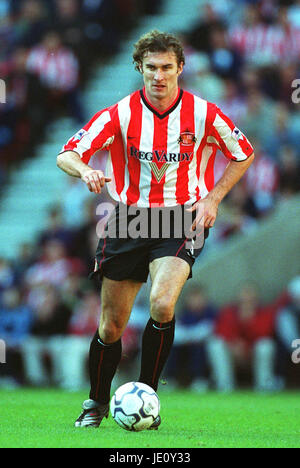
[[103, 363], [156, 346]]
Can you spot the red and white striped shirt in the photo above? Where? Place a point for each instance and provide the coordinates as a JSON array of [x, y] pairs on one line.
[[160, 159]]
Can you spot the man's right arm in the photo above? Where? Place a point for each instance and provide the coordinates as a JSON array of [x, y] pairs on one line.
[[71, 163]]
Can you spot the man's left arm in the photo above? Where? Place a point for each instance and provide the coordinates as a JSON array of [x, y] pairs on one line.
[[232, 174], [235, 146]]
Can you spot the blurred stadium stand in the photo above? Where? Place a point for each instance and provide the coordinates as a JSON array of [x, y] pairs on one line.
[[39, 184], [256, 237]]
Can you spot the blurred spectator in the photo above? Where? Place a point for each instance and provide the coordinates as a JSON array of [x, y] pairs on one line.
[[281, 131], [288, 324], [287, 75], [85, 237], [53, 267], [56, 229], [73, 202], [73, 289], [58, 70], [239, 213], [50, 325], [233, 102], [69, 23], [261, 181], [289, 172], [293, 14], [31, 23], [15, 325], [22, 116], [86, 314], [25, 258], [244, 335], [202, 81], [225, 61], [263, 44], [4, 8], [199, 35], [75, 346], [193, 330], [149, 7], [7, 275], [103, 25], [259, 115]]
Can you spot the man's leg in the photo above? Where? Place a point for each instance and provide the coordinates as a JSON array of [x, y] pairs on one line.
[[117, 298], [168, 275]]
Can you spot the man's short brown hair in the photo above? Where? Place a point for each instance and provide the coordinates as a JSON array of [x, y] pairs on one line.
[[156, 41]]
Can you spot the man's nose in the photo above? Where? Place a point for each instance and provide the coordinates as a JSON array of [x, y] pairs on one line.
[[158, 75]]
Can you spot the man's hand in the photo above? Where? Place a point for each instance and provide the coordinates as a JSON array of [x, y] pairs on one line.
[[206, 213], [95, 180], [207, 208]]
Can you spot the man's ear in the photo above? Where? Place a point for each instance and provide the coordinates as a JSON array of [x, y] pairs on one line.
[[141, 68], [180, 69]]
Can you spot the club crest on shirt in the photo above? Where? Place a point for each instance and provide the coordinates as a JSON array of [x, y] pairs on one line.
[[187, 138]]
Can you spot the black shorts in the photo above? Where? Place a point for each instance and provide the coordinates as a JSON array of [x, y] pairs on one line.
[[122, 254]]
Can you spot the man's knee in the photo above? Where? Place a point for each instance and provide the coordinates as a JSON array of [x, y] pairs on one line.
[[111, 326], [162, 308], [110, 331]]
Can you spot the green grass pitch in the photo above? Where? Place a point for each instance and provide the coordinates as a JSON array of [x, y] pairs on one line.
[[44, 419]]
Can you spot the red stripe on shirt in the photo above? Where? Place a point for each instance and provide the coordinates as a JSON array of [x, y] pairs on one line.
[[117, 151], [187, 124], [209, 176], [210, 117], [134, 165], [223, 146]]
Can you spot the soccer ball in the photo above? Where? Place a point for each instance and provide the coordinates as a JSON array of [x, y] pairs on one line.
[[135, 406]]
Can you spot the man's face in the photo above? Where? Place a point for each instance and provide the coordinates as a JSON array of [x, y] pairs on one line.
[[161, 71]]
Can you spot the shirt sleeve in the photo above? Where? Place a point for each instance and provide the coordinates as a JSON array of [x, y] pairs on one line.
[[229, 139], [97, 134]]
